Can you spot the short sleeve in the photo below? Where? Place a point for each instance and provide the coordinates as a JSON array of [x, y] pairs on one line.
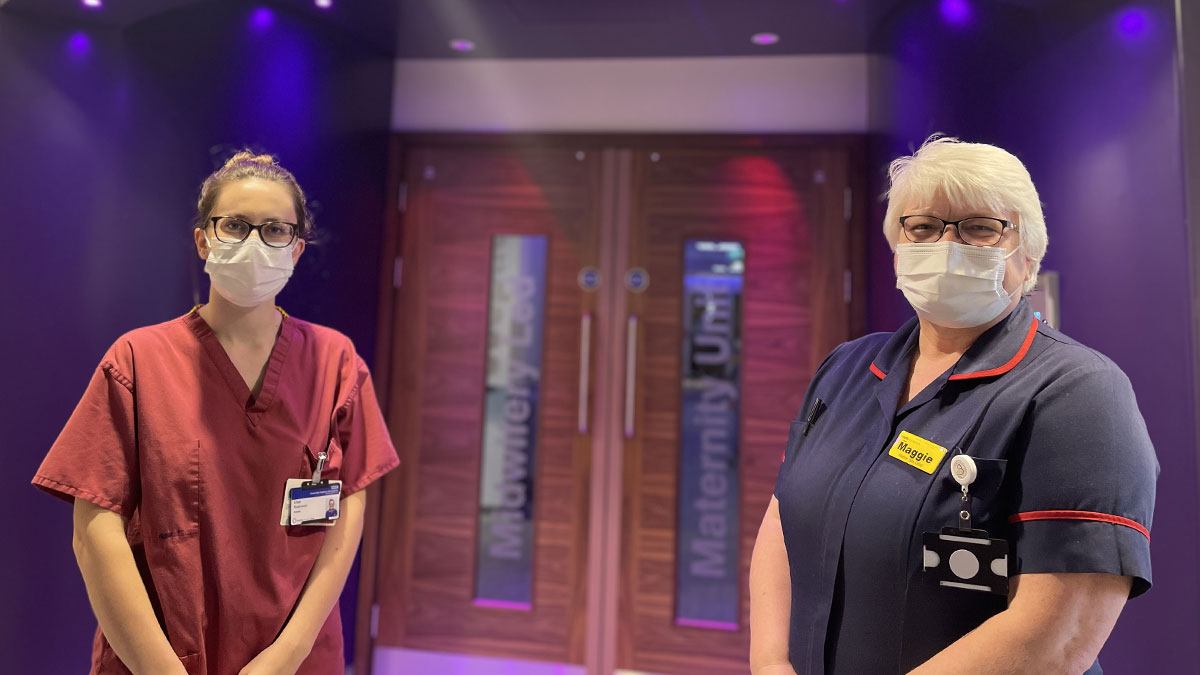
[[95, 456], [1085, 498], [359, 427]]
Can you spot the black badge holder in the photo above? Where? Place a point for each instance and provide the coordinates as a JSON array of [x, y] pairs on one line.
[[962, 557]]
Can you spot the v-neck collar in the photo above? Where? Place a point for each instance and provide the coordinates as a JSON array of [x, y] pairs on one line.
[[254, 406], [997, 351]]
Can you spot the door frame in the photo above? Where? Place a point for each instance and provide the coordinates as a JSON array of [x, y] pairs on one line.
[[600, 654]]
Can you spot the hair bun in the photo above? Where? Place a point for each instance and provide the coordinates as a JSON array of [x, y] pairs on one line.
[[246, 156], [245, 164]]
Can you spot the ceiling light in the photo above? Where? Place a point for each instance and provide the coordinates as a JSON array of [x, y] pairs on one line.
[[462, 45], [1133, 23], [261, 18], [764, 39], [956, 12]]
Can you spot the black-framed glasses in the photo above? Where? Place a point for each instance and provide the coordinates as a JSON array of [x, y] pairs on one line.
[[976, 231], [273, 233]]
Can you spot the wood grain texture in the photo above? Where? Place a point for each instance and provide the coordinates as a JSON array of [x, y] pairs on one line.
[[785, 206], [459, 197], [759, 190]]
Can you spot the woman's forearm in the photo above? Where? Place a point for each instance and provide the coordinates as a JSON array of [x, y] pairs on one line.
[[117, 593], [1055, 623], [770, 596], [1003, 644], [324, 585]]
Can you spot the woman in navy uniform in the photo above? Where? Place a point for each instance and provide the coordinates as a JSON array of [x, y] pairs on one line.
[[856, 568]]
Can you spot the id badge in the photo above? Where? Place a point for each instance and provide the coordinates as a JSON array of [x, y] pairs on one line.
[[968, 560], [309, 503]]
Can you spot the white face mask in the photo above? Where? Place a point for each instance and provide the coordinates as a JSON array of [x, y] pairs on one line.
[[954, 285], [249, 273]]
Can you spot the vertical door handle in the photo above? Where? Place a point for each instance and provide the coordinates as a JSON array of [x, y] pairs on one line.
[[585, 369], [631, 331]]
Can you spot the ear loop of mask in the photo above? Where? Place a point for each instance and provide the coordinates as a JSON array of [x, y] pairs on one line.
[[1020, 247]]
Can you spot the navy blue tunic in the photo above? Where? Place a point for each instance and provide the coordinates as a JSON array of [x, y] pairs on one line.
[[1066, 473]]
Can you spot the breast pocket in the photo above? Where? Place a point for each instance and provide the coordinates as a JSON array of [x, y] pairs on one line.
[[332, 469], [986, 501], [171, 489], [796, 442]]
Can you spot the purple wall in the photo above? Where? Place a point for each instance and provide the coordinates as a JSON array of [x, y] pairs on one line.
[[1087, 96], [106, 136]]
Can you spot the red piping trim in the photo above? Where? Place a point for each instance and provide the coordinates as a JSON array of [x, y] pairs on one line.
[[877, 372], [1080, 515], [1012, 363]]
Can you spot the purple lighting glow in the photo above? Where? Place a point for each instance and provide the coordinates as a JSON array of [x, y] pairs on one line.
[[262, 18], [324, 4], [79, 45], [764, 39], [462, 45], [956, 12], [93, 4], [1132, 23]]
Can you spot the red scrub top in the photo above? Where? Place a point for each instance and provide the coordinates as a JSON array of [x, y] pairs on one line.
[[168, 435]]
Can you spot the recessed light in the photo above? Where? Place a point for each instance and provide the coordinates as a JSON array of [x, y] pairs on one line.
[[324, 4], [1133, 23], [764, 39], [261, 18], [462, 45], [79, 45], [94, 4], [956, 12]]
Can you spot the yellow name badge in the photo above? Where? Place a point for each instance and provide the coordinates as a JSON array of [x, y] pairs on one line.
[[916, 451]]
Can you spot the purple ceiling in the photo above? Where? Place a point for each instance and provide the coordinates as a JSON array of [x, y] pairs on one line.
[[552, 28]]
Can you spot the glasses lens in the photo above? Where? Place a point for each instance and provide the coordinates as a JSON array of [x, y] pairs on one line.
[[232, 230], [278, 234], [922, 229], [981, 231]]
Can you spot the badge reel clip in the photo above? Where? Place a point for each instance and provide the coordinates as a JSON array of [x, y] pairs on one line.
[[962, 557], [316, 501]]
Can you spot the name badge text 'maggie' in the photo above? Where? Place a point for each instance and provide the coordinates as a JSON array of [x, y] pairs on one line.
[[918, 452]]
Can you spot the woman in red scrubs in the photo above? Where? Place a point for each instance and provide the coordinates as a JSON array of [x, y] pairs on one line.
[[178, 456]]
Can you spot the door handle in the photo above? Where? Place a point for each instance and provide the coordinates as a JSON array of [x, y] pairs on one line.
[[631, 365], [585, 369]]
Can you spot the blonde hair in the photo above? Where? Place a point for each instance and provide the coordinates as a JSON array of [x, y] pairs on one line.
[[969, 175], [248, 164]]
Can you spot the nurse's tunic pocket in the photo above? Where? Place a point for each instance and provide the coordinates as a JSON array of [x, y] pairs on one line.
[[936, 616], [172, 500], [333, 461]]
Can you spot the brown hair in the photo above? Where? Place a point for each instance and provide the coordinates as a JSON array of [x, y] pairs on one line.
[[248, 164]]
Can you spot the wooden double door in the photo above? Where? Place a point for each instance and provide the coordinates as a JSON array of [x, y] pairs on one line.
[[606, 232]]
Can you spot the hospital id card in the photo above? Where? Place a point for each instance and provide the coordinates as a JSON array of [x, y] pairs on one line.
[[307, 503]]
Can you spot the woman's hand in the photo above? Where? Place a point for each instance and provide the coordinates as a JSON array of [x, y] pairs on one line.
[[278, 659], [117, 592]]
